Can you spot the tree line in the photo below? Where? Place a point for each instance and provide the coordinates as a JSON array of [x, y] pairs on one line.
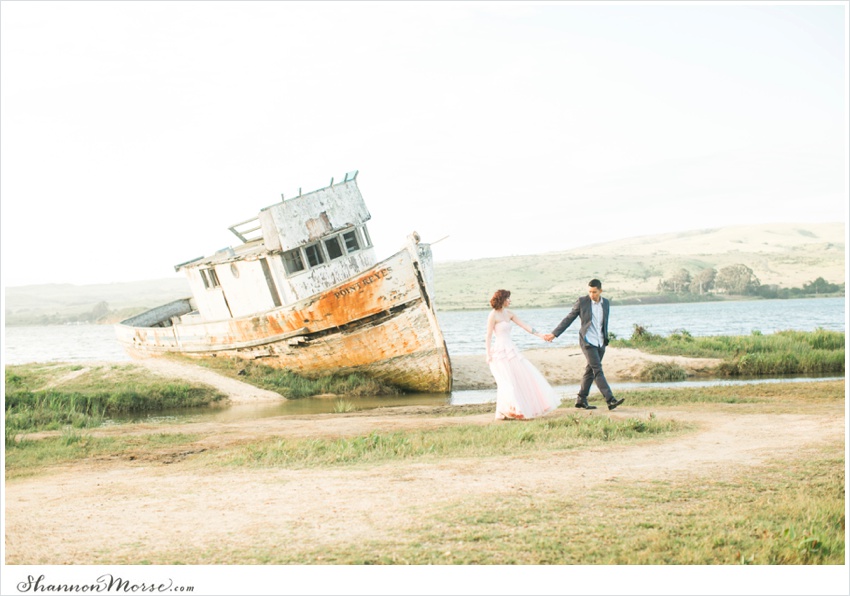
[[739, 280], [99, 314]]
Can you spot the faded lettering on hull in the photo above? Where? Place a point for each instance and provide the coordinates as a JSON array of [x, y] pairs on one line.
[[358, 286]]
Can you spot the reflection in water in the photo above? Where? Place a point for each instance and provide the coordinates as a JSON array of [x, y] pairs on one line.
[[293, 407], [312, 406]]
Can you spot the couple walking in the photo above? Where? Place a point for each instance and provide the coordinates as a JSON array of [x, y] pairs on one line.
[[521, 391]]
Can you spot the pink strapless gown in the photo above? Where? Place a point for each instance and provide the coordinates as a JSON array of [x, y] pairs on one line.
[[521, 391]]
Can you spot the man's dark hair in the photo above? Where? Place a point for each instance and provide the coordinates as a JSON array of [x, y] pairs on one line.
[[595, 283]]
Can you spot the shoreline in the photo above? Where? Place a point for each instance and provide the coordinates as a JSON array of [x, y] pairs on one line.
[[563, 366], [559, 366]]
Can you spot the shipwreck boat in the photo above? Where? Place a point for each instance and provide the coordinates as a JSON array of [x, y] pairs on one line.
[[304, 291]]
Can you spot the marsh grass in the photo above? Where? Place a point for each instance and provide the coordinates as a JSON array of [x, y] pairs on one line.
[[663, 371], [50, 397], [781, 353], [25, 455], [289, 384], [567, 432], [773, 395], [342, 406]]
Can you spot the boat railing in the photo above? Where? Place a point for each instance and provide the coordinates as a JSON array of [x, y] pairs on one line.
[[246, 230]]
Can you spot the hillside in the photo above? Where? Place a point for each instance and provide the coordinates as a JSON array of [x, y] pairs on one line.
[[787, 255], [29, 304]]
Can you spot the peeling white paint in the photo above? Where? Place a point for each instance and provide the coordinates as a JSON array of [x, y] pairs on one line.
[[288, 225]]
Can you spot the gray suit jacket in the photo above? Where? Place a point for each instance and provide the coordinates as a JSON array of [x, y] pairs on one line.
[[582, 309]]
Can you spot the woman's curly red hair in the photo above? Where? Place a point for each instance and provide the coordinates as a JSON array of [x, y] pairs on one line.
[[499, 298]]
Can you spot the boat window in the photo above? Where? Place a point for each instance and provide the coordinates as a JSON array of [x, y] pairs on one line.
[[333, 247], [351, 243], [314, 254], [366, 239], [292, 261], [209, 278]]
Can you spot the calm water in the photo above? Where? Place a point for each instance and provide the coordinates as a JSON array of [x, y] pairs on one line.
[[237, 412], [464, 331]]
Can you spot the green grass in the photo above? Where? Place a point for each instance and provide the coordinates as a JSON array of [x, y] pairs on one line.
[[27, 457], [769, 397], [53, 396], [572, 431], [778, 393], [658, 372], [289, 384], [341, 406], [569, 432], [782, 353], [786, 514]]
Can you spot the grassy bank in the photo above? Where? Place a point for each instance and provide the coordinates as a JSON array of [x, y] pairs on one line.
[[571, 432], [568, 432], [53, 396], [562, 433], [32, 456], [289, 384], [782, 353], [29, 457], [42, 397], [768, 397]]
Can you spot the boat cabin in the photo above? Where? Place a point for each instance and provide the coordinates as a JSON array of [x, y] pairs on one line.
[[292, 250]]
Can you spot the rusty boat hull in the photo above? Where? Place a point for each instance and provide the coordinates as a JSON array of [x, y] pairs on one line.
[[380, 322]]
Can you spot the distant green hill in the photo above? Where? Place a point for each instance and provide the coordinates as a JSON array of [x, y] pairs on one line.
[[57, 303], [785, 255]]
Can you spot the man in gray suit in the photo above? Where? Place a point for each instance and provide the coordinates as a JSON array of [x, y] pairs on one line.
[[592, 337]]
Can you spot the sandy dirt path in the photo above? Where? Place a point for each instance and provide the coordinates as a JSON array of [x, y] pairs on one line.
[[131, 509], [562, 366], [237, 391]]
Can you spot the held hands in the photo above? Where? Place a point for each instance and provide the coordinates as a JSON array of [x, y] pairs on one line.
[[545, 336]]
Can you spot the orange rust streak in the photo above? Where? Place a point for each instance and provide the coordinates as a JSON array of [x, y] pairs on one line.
[[362, 297], [274, 325]]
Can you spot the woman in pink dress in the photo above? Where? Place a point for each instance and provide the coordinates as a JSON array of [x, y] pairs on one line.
[[521, 391]]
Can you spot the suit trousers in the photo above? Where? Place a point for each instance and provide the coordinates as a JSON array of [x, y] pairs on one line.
[[593, 372]]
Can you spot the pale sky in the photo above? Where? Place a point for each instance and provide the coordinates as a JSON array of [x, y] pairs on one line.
[[134, 133]]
